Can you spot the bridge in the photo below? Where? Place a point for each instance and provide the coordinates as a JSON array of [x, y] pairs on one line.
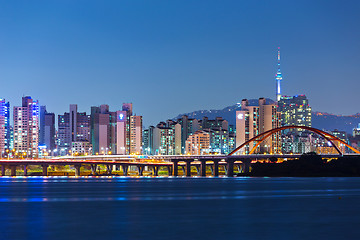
[[171, 162]]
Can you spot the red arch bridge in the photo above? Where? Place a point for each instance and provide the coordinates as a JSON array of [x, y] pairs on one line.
[[170, 163]]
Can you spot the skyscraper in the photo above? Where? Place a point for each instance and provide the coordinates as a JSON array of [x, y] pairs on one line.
[[247, 124], [26, 127], [127, 107], [295, 111], [278, 78], [49, 131], [73, 129], [254, 120], [136, 134], [42, 125], [198, 143], [4, 125]]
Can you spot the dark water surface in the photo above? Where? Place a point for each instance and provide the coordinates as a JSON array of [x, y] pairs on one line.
[[179, 208]]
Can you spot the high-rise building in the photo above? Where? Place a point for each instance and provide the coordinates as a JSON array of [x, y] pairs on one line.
[[135, 134], [254, 120], [127, 107], [26, 127], [73, 129], [278, 78], [46, 129], [198, 143], [163, 140], [188, 127], [49, 131], [295, 111], [247, 124], [111, 132], [146, 142], [103, 130], [269, 118], [4, 125], [42, 125], [122, 128], [221, 141], [63, 136]]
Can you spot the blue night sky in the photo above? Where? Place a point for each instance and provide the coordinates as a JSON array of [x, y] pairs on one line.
[[171, 57]]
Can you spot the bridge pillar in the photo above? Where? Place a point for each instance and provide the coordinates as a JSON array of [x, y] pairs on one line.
[[230, 167], [216, 167], [188, 168], [246, 165], [125, 169], [25, 170], [44, 167], [140, 169], [156, 170], [93, 169], [109, 169], [13, 170], [169, 170], [3, 169], [203, 168], [175, 168], [77, 170]]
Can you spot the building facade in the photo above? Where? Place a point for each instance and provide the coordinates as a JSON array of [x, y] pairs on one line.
[[295, 111], [254, 120], [198, 143], [73, 126], [26, 127], [4, 126]]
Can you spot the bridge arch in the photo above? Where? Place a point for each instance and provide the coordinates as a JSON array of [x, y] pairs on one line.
[[263, 136]]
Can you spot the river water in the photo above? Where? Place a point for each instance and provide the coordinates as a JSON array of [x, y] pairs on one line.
[[179, 208]]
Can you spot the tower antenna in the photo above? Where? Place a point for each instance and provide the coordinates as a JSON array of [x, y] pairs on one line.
[[278, 78]]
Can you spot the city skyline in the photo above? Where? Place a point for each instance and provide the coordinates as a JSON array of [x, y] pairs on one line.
[[58, 53]]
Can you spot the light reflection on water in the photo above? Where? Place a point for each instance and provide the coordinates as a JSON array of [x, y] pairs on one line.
[[134, 208]]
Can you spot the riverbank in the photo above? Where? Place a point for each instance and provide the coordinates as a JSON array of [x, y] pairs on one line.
[[309, 165]]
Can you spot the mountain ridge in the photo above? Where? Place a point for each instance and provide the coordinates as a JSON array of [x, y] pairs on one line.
[[320, 120]]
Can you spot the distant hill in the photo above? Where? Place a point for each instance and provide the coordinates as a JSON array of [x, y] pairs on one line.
[[320, 120], [227, 113], [330, 121]]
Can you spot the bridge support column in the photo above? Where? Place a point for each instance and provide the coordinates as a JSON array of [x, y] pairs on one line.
[[25, 170], [93, 169], [203, 168], [175, 168], [169, 170], [13, 170], [44, 167], [216, 168], [125, 169], [156, 170], [77, 170], [140, 169], [246, 165], [109, 169], [230, 167], [3, 169], [188, 168]]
